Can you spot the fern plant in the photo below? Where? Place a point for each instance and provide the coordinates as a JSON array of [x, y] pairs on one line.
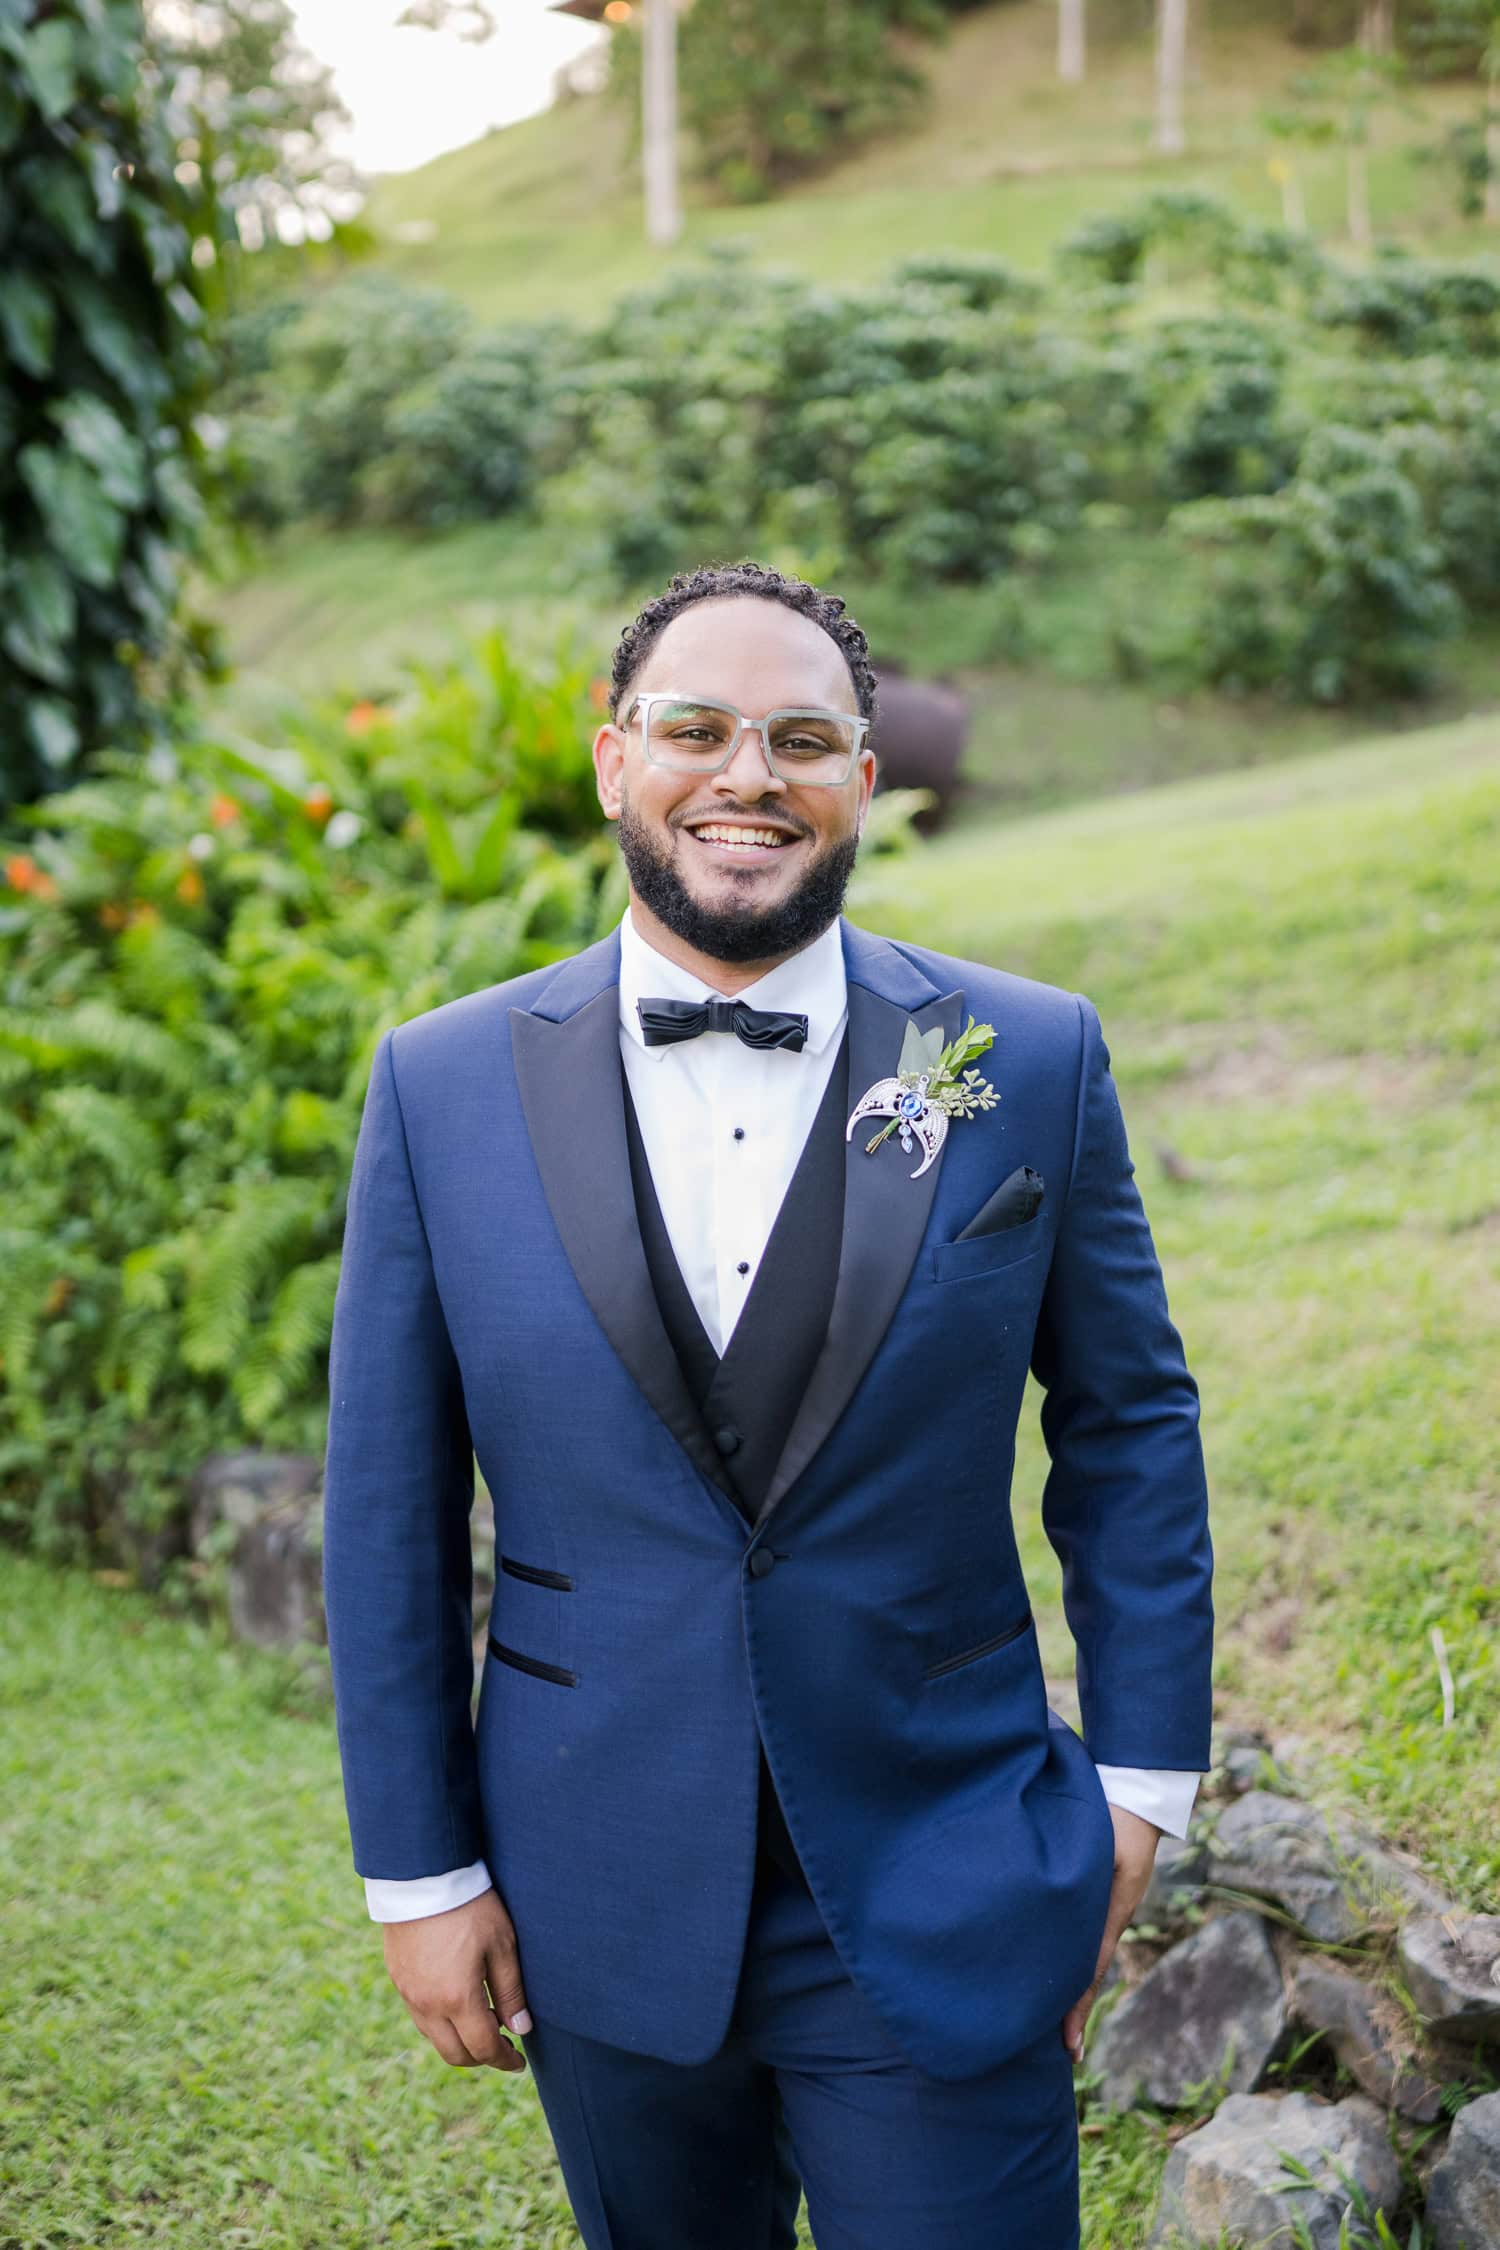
[[198, 956]]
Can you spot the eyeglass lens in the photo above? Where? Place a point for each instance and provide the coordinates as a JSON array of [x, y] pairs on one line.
[[805, 745]]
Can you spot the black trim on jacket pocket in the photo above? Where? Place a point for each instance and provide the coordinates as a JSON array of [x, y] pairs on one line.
[[968, 1655], [534, 1576], [532, 1664]]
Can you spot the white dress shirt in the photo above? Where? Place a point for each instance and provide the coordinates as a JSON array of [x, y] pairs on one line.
[[723, 1126]]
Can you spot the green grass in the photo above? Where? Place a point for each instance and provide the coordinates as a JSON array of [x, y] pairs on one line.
[[1295, 967], [545, 216]]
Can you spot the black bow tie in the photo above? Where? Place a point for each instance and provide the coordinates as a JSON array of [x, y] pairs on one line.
[[663, 1022]]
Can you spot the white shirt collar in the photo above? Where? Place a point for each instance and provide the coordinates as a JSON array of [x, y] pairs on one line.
[[810, 984]]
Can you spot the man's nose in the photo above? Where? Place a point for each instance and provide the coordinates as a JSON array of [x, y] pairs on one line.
[[749, 769]]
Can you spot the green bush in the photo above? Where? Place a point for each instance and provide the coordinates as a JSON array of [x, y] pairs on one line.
[[198, 954], [953, 424], [1332, 588]]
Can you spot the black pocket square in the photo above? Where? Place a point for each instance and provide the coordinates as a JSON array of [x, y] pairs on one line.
[[1014, 1201]]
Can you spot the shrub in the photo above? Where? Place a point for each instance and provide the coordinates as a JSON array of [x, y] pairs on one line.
[[198, 955], [102, 371], [1331, 588]]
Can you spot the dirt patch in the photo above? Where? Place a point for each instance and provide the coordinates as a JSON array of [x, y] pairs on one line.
[[1264, 1063]]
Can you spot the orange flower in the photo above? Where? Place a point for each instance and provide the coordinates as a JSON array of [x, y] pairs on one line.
[[599, 693], [362, 716], [112, 914], [142, 910], [222, 810], [318, 803], [190, 887], [23, 874], [57, 1296]]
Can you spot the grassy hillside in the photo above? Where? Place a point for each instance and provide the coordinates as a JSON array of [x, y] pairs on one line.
[[1295, 970], [545, 216]]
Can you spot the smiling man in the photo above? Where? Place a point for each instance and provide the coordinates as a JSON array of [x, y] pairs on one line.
[[765, 1840]]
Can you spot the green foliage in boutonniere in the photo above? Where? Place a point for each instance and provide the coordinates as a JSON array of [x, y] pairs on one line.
[[942, 1075]]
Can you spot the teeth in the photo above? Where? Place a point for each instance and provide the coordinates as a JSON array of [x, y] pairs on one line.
[[741, 836]]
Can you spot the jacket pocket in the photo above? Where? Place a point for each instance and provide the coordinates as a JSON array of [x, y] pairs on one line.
[[532, 1664], [532, 1575], [988, 1253], [969, 1655]]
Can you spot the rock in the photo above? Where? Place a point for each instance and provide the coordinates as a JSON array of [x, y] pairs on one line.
[[1238, 1757], [482, 1550], [1463, 2195], [1227, 2178], [1365, 2030], [1452, 1967], [272, 1506], [1281, 1849], [1212, 2004], [1176, 1885], [919, 736], [1332, 1876]]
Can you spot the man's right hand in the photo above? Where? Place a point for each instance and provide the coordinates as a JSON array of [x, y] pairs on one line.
[[440, 1964]]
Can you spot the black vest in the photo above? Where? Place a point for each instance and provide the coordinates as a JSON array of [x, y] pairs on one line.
[[749, 1397]]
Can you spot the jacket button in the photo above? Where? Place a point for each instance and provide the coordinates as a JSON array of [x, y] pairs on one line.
[[727, 1440], [762, 1563]]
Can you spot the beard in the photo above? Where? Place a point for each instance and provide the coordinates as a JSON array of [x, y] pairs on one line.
[[736, 933]]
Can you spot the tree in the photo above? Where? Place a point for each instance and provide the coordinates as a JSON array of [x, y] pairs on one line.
[[248, 110], [1465, 35], [769, 88], [1071, 41], [1337, 102], [103, 371], [1171, 72]]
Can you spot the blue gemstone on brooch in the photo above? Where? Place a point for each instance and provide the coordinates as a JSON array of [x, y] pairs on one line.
[[911, 1104]]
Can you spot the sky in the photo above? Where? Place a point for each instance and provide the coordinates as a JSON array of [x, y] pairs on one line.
[[414, 93]]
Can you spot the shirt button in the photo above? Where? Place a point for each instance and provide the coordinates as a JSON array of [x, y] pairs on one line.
[[739, 1132], [762, 1563], [743, 1266], [728, 1439]]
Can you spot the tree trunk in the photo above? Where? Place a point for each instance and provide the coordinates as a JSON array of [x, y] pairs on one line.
[[659, 121], [1071, 49], [1293, 209], [1171, 69], [1377, 27], [1357, 196]]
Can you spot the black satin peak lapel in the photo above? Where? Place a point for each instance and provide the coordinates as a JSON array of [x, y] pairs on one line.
[[568, 1075], [885, 1217]]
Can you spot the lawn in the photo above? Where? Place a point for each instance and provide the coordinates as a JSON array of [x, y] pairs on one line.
[[1295, 967]]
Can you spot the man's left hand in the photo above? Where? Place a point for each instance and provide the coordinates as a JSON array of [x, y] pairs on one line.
[[1135, 1854]]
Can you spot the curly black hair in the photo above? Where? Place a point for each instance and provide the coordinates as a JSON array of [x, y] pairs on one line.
[[717, 579]]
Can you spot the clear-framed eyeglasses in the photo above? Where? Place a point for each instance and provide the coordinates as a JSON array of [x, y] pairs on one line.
[[696, 734]]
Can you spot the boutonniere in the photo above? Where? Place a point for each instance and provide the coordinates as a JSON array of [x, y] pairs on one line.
[[932, 1084]]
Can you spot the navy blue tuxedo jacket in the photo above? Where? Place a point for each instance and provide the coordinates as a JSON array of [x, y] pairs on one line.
[[494, 1301]]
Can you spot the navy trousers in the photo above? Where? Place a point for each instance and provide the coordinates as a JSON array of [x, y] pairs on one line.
[[808, 2092]]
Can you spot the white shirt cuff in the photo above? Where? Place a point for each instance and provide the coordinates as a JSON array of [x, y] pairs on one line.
[[1166, 1798], [408, 1901]]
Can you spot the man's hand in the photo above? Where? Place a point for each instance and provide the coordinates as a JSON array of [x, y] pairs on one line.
[[1135, 1853], [440, 1964]]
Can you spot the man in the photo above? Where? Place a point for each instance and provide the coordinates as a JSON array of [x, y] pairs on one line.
[[764, 1839]]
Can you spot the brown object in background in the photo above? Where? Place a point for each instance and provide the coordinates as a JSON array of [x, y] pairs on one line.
[[918, 738]]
